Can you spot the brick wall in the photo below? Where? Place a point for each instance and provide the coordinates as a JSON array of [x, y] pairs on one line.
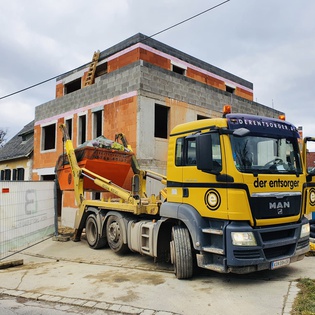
[[163, 60], [118, 92]]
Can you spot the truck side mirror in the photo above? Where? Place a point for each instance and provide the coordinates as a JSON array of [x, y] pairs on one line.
[[307, 152], [204, 153]]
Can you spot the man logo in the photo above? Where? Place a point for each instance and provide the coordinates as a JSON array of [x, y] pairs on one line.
[[279, 206]]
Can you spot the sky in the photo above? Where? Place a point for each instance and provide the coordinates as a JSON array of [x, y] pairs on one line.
[[270, 43]]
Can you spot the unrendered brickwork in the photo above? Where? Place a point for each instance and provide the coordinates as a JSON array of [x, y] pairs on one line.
[[138, 76]]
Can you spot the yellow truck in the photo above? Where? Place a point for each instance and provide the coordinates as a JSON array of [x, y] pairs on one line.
[[236, 197]]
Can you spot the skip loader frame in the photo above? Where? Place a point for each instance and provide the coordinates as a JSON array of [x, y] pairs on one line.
[[236, 194]]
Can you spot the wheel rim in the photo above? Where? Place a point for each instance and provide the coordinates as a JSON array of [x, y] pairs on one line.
[[114, 233]]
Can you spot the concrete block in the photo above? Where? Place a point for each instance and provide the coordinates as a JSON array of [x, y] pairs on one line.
[[102, 306], [90, 304], [130, 310]]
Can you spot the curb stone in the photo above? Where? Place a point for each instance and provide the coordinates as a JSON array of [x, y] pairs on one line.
[[289, 300], [119, 308]]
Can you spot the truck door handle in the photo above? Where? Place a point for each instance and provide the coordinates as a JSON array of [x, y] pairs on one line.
[[185, 192]]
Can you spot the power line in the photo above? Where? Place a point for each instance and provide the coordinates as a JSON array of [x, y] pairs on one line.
[[192, 17], [155, 34]]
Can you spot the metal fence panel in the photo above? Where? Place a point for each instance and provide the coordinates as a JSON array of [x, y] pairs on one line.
[[26, 213]]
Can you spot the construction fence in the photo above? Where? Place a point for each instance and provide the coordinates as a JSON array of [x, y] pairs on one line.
[[27, 214]]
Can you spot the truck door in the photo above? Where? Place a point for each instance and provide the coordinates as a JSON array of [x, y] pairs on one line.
[[203, 160], [309, 162]]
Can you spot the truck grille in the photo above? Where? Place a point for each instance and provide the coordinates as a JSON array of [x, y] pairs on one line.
[[267, 206], [276, 235], [248, 254], [275, 252]]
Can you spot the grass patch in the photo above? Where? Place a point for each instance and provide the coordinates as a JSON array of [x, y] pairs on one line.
[[304, 303]]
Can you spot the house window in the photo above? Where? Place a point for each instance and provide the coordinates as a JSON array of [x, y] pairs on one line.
[[72, 86], [178, 70], [7, 174], [18, 174], [69, 127], [2, 175], [161, 121], [97, 123], [49, 137], [82, 129]]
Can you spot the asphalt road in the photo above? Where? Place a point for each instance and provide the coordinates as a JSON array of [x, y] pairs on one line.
[[71, 275]]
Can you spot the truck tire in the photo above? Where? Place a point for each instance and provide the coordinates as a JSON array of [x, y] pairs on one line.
[[91, 230], [114, 234], [181, 253]]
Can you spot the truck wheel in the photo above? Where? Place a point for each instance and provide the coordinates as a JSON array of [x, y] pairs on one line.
[[114, 233], [91, 230], [181, 253]]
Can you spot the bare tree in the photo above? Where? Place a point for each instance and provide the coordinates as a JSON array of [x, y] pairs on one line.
[[3, 133]]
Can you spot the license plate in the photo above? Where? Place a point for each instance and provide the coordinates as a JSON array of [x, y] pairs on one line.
[[280, 263]]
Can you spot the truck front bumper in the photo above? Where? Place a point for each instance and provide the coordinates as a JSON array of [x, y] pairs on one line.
[[275, 247]]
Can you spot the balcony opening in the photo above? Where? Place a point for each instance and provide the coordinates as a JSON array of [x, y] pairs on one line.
[[72, 86]]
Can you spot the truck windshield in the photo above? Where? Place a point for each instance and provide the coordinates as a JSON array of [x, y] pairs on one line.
[[256, 154]]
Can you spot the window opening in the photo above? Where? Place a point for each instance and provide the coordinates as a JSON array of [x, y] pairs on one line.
[[48, 177], [101, 70], [49, 137], [73, 86], [97, 123], [96, 195], [229, 89], [178, 70], [69, 127], [82, 129], [161, 121], [200, 117]]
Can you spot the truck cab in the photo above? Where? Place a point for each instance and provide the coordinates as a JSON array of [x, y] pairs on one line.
[[239, 186]]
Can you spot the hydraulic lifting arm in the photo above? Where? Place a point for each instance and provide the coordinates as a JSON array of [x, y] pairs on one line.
[[79, 173], [134, 201], [76, 170]]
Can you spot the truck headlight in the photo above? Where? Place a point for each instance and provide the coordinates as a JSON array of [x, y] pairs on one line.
[[243, 239], [305, 230]]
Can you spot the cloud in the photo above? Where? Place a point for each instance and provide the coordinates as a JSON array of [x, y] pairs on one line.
[[269, 43]]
